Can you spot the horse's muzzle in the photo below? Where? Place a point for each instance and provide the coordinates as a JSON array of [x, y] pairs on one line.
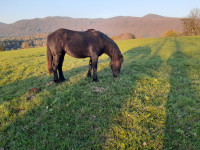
[[115, 74]]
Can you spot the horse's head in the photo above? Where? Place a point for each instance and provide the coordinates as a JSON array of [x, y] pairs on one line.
[[115, 65]]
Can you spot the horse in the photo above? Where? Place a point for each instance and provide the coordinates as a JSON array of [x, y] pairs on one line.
[[81, 44]]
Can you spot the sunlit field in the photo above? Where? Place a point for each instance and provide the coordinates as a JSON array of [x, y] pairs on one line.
[[153, 104]]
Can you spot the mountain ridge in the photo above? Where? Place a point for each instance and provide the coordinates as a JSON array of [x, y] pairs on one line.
[[1, 23], [150, 25]]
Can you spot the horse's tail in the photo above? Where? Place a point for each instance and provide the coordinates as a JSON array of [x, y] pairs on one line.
[[49, 60]]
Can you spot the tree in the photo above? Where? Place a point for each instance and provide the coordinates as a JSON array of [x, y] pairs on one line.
[[115, 37], [170, 33], [126, 36], [191, 24], [139, 37], [25, 45], [2, 48]]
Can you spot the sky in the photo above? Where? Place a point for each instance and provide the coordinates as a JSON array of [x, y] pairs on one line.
[[15, 10]]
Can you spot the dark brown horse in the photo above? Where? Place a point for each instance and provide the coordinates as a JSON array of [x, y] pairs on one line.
[[90, 43]]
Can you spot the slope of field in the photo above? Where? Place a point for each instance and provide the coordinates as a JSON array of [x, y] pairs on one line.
[[147, 26], [154, 104]]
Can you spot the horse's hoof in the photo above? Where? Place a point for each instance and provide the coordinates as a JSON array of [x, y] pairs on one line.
[[88, 75], [56, 81], [63, 79], [95, 80]]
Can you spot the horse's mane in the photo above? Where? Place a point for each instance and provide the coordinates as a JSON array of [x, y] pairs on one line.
[[109, 43]]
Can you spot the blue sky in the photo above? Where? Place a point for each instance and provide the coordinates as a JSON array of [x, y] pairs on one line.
[[14, 10]]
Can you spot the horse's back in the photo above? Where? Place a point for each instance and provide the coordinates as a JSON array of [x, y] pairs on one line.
[[74, 43]]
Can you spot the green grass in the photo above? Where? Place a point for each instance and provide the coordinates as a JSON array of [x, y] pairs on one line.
[[154, 104]]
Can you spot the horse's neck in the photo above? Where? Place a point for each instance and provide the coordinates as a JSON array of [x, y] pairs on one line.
[[111, 50], [112, 53], [109, 54]]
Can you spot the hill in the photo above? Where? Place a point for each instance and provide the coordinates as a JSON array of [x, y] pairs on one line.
[[148, 26], [153, 16], [153, 104], [2, 24]]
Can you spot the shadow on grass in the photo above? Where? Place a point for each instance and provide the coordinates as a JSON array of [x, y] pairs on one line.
[[16, 98], [181, 128], [75, 116], [140, 121], [19, 88]]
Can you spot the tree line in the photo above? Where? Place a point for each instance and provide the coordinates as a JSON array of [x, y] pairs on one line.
[[38, 40], [14, 44]]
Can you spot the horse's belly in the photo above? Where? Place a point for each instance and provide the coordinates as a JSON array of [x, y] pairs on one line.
[[77, 54]]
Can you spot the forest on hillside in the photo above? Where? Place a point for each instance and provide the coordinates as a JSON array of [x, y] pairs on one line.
[[38, 40]]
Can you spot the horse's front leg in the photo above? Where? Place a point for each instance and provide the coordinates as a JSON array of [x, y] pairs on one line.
[[89, 68], [61, 76], [94, 66], [55, 68]]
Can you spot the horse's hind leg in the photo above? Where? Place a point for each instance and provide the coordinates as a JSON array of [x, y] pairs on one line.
[[55, 68], [61, 59], [89, 68], [94, 66]]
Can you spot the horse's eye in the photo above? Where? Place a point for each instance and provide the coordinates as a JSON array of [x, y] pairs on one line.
[[111, 65]]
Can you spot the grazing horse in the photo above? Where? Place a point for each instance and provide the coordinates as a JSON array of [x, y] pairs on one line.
[[90, 43]]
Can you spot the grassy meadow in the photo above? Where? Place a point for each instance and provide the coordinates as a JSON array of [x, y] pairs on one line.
[[153, 104]]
